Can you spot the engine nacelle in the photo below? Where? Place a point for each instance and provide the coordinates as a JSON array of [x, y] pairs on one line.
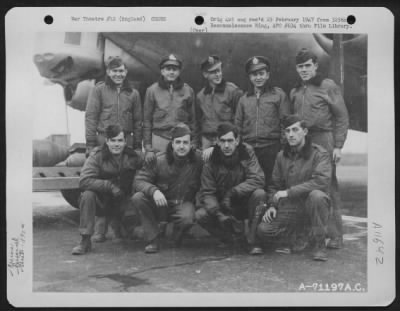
[[77, 98]]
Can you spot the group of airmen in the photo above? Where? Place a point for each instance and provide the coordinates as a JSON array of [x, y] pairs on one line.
[[256, 166]]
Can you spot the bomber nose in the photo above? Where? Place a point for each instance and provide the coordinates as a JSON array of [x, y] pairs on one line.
[[41, 58]]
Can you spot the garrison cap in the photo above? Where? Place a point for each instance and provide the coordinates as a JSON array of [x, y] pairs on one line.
[[292, 119], [171, 60], [210, 63], [181, 129], [304, 55], [257, 63], [226, 127], [114, 62]]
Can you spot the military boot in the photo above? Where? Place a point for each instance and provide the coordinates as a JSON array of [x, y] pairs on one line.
[[256, 250], [84, 246], [152, 247], [319, 253], [335, 243], [101, 227]]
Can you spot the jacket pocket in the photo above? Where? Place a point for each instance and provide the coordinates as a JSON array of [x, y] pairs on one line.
[[127, 120], [181, 115], [225, 113]]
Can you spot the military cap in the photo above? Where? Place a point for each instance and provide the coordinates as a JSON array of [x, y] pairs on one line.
[[304, 55], [225, 128], [170, 60], [179, 130], [257, 63], [210, 63], [292, 119], [114, 62]]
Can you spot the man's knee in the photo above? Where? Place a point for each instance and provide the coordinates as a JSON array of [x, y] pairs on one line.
[[318, 201], [318, 198], [138, 199], [266, 230], [87, 196], [259, 195]]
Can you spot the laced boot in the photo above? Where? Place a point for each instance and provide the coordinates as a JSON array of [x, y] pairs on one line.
[[84, 246], [335, 243], [152, 247], [319, 253], [256, 250]]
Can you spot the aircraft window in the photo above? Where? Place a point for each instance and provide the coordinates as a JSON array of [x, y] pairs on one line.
[[73, 38]]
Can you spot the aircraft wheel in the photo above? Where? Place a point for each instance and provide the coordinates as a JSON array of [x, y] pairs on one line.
[[72, 196]]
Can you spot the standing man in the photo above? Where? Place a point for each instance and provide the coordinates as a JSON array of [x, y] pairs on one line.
[[167, 189], [113, 102], [167, 102], [216, 102], [259, 114], [106, 181], [232, 185], [320, 103], [299, 189]]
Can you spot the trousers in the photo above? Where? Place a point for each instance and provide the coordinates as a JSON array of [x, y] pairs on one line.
[[266, 158], [92, 204], [181, 213], [335, 226], [292, 214], [242, 208]]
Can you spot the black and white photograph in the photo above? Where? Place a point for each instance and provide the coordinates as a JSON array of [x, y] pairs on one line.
[[228, 157]]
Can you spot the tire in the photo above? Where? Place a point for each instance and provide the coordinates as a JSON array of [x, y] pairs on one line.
[[72, 196]]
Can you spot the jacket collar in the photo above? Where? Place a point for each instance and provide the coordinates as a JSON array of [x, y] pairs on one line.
[[316, 81], [177, 84], [265, 89], [171, 159], [304, 153], [125, 85], [220, 88], [218, 158]]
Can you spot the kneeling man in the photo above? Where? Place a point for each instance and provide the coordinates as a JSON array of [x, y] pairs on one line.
[[167, 189], [232, 185], [299, 189], [106, 180]]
